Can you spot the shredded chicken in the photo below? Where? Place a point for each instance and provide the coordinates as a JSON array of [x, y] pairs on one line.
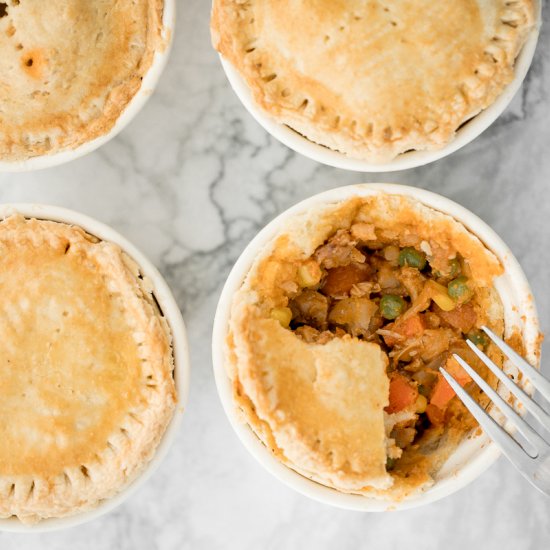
[[340, 250], [412, 280]]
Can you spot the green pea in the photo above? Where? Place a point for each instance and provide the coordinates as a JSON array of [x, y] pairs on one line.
[[411, 257], [478, 338], [455, 267], [391, 306], [459, 290], [390, 463], [454, 270]]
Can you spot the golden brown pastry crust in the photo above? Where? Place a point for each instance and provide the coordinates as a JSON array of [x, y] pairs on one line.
[[256, 343], [86, 369], [373, 79], [67, 82], [324, 404]]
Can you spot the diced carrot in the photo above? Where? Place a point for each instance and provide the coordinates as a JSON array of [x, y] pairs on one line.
[[402, 394], [442, 392], [452, 367], [435, 415], [411, 327], [339, 280], [463, 317]]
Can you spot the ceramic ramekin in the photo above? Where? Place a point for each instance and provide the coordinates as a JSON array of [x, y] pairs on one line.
[[172, 314], [476, 453], [135, 105], [467, 133]]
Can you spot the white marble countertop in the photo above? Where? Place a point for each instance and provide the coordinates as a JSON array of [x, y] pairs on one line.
[[190, 181]]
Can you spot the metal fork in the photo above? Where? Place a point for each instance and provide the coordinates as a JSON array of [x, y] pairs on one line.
[[534, 462]]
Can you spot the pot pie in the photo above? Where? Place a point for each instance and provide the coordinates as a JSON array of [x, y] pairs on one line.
[[86, 368], [69, 68], [373, 78], [337, 334]]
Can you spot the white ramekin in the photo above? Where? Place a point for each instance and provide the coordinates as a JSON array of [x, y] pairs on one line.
[[476, 453], [172, 314], [145, 91], [467, 133]]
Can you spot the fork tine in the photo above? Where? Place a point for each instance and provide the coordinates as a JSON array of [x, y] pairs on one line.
[[534, 408], [530, 435], [541, 384], [507, 444]]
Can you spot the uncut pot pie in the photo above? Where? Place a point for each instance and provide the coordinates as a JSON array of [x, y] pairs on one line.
[[373, 78], [337, 334], [86, 370], [69, 68]]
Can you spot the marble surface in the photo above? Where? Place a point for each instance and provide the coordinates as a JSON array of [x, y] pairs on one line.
[[190, 181]]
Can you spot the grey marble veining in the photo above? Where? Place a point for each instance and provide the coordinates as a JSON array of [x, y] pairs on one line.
[[190, 181]]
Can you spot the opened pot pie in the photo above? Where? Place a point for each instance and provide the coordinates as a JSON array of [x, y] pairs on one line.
[[69, 68], [337, 334], [372, 78], [86, 370]]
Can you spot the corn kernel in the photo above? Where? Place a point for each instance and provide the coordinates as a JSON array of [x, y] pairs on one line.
[[440, 296], [283, 315], [445, 302], [309, 274], [420, 404]]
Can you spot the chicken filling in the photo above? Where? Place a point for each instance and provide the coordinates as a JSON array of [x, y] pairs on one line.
[[418, 307]]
